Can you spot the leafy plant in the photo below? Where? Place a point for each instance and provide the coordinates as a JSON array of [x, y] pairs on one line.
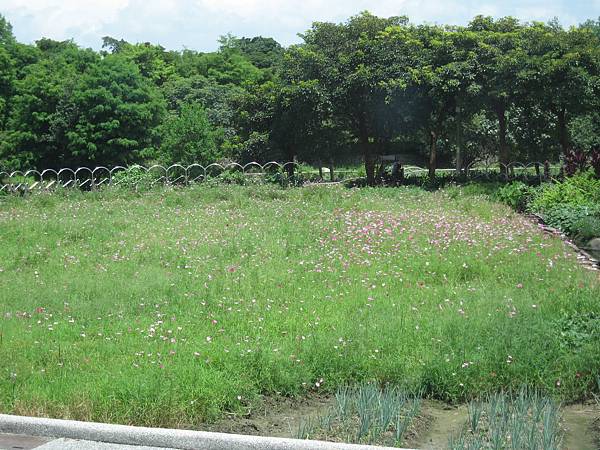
[[580, 190], [575, 160], [523, 420], [572, 219], [365, 413], [595, 160], [134, 177], [587, 227], [516, 195]]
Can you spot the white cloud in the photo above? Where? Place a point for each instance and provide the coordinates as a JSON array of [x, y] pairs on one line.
[[60, 18], [198, 23]]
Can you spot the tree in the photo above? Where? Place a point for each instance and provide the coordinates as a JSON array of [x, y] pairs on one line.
[[500, 58], [569, 77], [6, 34], [341, 57], [7, 79], [188, 137], [115, 114], [262, 52]]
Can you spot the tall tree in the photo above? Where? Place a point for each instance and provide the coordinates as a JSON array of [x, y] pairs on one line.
[[500, 59], [341, 57], [188, 137]]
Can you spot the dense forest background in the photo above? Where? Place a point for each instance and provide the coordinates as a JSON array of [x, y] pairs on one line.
[[495, 90]]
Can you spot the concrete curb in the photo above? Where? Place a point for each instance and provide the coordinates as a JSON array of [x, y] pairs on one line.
[[160, 437]]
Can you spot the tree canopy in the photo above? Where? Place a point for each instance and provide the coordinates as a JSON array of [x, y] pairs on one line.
[[496, 90]]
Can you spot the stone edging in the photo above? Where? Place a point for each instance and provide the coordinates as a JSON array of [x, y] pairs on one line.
[[160, 437], [584, 258]]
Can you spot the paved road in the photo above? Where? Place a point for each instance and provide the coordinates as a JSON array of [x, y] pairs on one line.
[[20, 442]]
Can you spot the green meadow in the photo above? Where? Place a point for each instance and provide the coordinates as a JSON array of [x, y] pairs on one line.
[[174, 306]]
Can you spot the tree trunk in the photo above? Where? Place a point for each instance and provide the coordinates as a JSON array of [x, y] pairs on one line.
[[504, 155], [331, 174], [370, 167], [291, 167], [368, 156], [320, 170], [459, 144], [563, 133], [433, 155]]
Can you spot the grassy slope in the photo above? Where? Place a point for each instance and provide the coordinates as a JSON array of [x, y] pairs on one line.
[[171, 307]]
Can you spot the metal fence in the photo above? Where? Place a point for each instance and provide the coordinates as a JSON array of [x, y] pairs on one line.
[[93, 178]]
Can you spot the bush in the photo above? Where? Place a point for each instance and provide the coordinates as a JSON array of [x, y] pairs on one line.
[[587, 227], [233, 177], [282, 178], [573, 220], [580, 190], [517, 195], [135, 177]]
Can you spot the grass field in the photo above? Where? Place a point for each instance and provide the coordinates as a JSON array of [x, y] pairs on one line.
[[171, 307]]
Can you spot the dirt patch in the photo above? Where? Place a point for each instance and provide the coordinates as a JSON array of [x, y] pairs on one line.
[[439, 422], [276, 416], [581, 427], [280, 417]]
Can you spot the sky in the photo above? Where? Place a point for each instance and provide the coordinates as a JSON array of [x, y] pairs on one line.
[[197, 24]]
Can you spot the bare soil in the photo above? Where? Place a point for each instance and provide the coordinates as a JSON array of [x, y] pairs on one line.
[[280, 417], [276, 416], [443, 421], [581, 427]]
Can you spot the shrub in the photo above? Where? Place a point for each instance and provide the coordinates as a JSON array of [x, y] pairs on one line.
[[572, 220], [587, 227], [135, 177], [580, 190], [595, 160], [233, 177], [282, 178], [516, 194]]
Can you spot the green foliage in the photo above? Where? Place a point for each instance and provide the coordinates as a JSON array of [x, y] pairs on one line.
[[577, 329], [365, 414], [516, 194], [262, 52], [279, 272], [497, 90], [579, 190], [187, 137], [572, 219], [115, 113], [521, 420], [135, 178], [588, 227], [233, 177]]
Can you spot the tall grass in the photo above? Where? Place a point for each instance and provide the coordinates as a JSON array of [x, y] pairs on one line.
[[170, 307]]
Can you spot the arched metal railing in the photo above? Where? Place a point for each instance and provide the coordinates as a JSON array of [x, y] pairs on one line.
[[87, 178]]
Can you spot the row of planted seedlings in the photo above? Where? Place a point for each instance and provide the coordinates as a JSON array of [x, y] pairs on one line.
[[524, 420], [368, 414], [365, 414]]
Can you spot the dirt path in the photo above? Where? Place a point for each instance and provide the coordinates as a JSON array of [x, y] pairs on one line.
[[443, 421], [277, 417], [579, 425], [280, 417]]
